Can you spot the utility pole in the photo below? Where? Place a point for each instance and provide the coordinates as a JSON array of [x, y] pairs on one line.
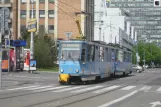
[[32, 35], [4, 16], [110, 31], [100, 29]]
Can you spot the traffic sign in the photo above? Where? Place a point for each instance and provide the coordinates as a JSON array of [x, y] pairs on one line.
[[4, 19], [32, 25]]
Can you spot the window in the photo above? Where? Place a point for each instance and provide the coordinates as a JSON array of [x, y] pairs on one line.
[[90, 53], [42, 13], [23, 28], [7, 1], [51, 13], [101, 54], [42, 1], [23, 13], [33, 14], [51, 28], [83, 55], [32, 1], [23, 1], [51, 1]]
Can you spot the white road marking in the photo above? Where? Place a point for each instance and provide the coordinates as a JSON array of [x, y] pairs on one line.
[[68, 89], [145, 88], [26, 77], [86, 89], [53, 88], [159, 89], [39, 87], [106, 89], [128, 88], [19, 88], [119, 99]]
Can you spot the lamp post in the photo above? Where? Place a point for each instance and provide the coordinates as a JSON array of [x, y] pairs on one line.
[[32, 35], [144, 51]]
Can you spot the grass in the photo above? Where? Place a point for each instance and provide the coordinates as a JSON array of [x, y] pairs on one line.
[[53, 69]]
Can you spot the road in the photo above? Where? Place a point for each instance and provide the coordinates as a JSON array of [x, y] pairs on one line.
[[43, 90]]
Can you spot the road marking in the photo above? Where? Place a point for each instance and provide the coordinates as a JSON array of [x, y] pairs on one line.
[[159, 89], [145, 88], [19, 88], [53, 88], [106, 89], [128, 88], [119, 99], [39, 87], [86, 89], [27, 77], [68, 89]]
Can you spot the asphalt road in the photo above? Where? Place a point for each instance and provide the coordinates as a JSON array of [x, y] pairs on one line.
[[43, 90]]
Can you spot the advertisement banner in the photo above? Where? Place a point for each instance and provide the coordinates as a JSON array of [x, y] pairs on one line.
[[32, 65], [4, 64]]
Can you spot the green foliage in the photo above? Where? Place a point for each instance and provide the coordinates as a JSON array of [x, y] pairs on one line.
[[45, 50], [152, 53]]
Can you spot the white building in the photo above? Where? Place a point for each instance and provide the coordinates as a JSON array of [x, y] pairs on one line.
[[109, 22]]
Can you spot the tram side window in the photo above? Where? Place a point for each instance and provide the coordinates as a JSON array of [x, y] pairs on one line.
[[83, 56], [109, 54], [107, 59], [116, 55], [90, 53], [125, 57], [101, 54], [113, 55], [130, 57], [97, 55]]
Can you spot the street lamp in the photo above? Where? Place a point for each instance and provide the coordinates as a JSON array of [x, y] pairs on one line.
[[32, 35], [144, 51]]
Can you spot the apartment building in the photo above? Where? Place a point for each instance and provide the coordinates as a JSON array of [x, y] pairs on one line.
[[12, 5], [66, 14], [43, 12]]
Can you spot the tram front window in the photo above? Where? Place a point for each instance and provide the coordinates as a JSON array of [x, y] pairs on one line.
[[70, 51]]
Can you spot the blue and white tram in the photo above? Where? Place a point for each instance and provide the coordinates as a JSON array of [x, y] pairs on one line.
[[85, 61]]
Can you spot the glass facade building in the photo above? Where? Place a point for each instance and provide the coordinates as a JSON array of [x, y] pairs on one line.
[[142, 14]]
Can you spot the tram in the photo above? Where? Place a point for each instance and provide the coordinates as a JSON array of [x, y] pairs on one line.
[[81, 61]]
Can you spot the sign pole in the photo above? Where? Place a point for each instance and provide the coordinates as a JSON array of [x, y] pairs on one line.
[[32, 36], [0, 59]]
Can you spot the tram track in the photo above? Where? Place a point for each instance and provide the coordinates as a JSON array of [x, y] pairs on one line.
[[92, 96]]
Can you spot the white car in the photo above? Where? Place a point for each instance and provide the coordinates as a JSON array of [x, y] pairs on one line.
[[145, 66], [137, 68]]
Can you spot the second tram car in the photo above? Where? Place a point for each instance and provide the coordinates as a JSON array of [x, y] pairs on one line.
[[85, 61]]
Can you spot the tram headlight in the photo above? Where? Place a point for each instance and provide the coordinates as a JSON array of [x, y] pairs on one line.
[[77, 70], [61, 70]]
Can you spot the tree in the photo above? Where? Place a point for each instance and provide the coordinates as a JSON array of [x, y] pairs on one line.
[[152, 53], [45, 51]]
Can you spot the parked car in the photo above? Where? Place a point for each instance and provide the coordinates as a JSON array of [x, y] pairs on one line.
[[137, 68], [145, 66]]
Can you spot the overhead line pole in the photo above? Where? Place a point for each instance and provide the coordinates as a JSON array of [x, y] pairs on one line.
[[32, 35]]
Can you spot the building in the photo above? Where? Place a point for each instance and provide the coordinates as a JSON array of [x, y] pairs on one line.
[[12, 5], [44, 12], [67, 12], [111, 25], [144, 16]]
